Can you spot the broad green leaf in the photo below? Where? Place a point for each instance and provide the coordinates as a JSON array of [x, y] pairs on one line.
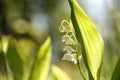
[[89, 38], [3, 69], [42, 62], [116, 73], [14, 60], [59, 74]]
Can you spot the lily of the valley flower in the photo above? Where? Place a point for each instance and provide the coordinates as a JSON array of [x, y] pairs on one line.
[[65, 27], [61, 28], [69, 49], [70, 57], [68, 40]]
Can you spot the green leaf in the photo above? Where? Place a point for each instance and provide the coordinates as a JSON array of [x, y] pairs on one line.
[[3, 69], [42, 62], [89, 38], [14, 60], [116, 73], [59, 74]]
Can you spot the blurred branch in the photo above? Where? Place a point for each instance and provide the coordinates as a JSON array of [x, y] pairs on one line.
[[7, 30], [25, 35], [3, 25]]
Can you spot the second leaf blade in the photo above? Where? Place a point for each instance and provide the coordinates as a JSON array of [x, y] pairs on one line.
[[41, 65]]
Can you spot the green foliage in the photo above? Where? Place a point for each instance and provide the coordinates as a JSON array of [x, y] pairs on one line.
[[89, 38], [80, 29], [3, 70], [116, 73], [59, 74], [42, 62], [14, 60]]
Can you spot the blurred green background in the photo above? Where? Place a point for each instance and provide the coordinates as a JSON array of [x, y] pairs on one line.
[[31, 21]]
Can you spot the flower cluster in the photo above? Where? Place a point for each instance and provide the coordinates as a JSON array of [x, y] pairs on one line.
[[69, 40]]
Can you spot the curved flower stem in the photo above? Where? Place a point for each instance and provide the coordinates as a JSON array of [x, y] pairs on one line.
[[78, 62], [65, 21], [80, 70]]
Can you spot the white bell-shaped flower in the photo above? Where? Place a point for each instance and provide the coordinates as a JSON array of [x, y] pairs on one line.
[[68, 40], [67, 57], [61, 28], [65, 38], [70, 57], [74, 58], [68, 49], [67, 28]]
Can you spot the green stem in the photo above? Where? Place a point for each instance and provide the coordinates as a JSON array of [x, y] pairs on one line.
[[80, 70]]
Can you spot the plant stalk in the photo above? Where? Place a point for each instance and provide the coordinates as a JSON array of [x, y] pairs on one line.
[[80, 70]]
